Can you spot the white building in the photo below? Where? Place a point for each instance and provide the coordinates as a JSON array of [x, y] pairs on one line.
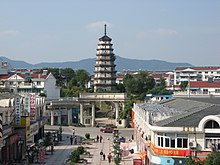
[[176, 128], [39, 83], [196, 74]]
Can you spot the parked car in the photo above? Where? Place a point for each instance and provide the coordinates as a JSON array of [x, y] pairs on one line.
[[122, 139], [107, 130]]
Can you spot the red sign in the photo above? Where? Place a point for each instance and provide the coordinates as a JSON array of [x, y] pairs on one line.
[[137, 162], [170, 151], [32, 107], [41, 156]]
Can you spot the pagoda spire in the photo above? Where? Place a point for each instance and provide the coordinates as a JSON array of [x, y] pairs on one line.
[[105, 30]]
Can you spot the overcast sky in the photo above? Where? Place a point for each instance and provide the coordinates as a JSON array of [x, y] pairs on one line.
[[68, 30]]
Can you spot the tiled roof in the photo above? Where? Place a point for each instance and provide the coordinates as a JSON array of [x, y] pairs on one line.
[[179, 112], [4, 76], [35, 76], [198, 68], [204, 84]]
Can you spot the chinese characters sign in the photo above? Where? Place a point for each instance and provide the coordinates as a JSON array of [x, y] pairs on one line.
[[169, 152], [32, 107], [17, 111]]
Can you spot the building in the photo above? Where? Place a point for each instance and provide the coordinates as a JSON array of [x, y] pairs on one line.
[[200, 88], [174, 129], [29, 82], [196, 74], [105, 73]]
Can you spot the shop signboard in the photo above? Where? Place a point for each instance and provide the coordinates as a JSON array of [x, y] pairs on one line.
[[137, 162], [32, 107], [169, 152], [26, 104], [17, 111]]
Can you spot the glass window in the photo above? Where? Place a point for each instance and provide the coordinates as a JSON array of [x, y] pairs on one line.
[[167, 142], [172, 143]]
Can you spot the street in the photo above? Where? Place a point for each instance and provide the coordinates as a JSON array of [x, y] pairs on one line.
[[64, 148]]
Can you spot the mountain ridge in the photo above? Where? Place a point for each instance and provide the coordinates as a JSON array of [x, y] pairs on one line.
[[88, 64]]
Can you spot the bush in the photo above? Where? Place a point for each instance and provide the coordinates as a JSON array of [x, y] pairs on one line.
[[87, 135], [80, 150]]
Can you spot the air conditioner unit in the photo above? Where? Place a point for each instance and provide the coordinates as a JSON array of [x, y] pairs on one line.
[[192, 144]]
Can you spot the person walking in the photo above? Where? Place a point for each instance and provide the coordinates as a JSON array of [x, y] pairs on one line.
[[71, 140], [103, 156], [101, 138], [73, 132], [75, 141], [97, 138], [109, 158]]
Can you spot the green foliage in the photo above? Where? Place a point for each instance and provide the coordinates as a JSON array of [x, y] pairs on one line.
[[71, 82], [127, 110], [120, 88], [116, 149], [75, 155], [140, 84], [183, 85], [48, 139], [81, 150], [213, 159], [87, 135]]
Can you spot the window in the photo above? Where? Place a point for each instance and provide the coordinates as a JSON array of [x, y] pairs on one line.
[[166, 140], [211, 124], [182, 141], [217, 90]]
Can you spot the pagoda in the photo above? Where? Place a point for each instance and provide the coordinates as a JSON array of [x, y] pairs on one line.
[[105, 73]]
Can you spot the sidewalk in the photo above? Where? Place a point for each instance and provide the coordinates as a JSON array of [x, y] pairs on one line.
[[106, 147], [60, 153]]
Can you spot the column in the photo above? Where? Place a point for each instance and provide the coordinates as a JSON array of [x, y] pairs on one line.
[[69, 118], [116, 112], [81, 114], [93, 114], [51, 117]]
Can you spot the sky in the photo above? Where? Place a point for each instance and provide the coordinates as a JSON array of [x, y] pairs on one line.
[[37, 31]]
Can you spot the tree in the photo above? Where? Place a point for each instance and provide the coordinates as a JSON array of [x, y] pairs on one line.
[[213, 159], [116, 148], [126, 113], [183, 85], [82, 78]]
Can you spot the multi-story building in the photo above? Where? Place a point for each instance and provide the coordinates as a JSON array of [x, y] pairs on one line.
[[105, 73], [28, 82], [174, 129], [196, 74]]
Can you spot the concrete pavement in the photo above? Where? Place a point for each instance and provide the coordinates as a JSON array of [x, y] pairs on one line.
[[63, 149]]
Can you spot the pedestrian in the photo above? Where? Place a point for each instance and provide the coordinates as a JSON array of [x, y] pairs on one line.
[[101, 153], [97, 138], [103, 156], [109, 158], [73, 132], [75, 141], [132, 137], [101, 138], [71, 140]]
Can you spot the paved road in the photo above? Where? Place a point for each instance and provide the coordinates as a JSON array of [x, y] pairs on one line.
[[64, 148]]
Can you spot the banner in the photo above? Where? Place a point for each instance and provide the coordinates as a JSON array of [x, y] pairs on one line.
[[169, 152], [26, 105], [32, 107], [17, 111]]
